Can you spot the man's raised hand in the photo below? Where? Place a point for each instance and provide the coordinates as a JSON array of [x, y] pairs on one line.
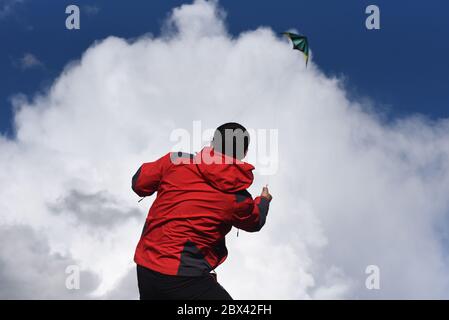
[[266, 193]]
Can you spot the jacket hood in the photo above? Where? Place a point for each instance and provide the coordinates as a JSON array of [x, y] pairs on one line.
[[223, 172]]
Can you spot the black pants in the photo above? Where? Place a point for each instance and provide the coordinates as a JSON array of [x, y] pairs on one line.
[[157, 286]]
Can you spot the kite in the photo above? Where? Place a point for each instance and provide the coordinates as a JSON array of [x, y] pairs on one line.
[[299, 43]]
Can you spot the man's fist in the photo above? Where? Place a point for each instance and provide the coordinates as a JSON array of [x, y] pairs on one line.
[[265, 193]]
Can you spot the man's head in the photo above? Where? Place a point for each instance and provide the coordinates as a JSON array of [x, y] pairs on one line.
[[231, 139]]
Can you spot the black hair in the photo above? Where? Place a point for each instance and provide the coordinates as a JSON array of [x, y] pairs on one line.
[[231, 139]]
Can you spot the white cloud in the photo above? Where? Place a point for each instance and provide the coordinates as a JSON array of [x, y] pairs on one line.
[[98, 210], [29, 61], [29, 270], [7, 7], [351, 191]]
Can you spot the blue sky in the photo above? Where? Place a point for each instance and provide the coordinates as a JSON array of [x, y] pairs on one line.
[[402, 67]]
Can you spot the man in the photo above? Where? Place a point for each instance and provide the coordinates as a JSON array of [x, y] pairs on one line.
[[199, 199]]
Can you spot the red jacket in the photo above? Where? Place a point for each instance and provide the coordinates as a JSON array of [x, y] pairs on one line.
[[197, 204]]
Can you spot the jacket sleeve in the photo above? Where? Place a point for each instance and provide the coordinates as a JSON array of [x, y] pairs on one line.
[[249, 214], [147, 178]]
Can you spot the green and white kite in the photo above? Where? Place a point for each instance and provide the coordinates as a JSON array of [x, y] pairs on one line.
[[299, 43]]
